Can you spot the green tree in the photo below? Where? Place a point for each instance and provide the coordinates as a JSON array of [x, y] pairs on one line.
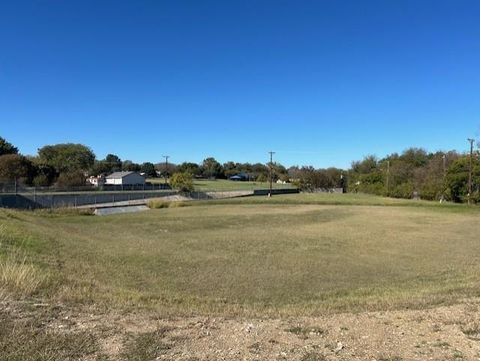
[[231, 168], [430, 178], [259, 171], [67, 157], [367, 176], [149, 170], [110, 164], [45, 175], [100, 167], [166, 169], [278, 171], [366, 166], [457, 179], [309, 179], [129, 166], [114, 163], [15, 167], [7, 148], [188, 167], [182, 182], [211, 168], [416, 157], [71, 179]]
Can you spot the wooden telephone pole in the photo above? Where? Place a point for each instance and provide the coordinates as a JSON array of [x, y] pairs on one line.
[[470, 170], [388, 178], [271, 172], [444, 163], [166, 166]]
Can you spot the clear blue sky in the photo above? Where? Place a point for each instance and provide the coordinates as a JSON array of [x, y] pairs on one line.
[[320, 82]]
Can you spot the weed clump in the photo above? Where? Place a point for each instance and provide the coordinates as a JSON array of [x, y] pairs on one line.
[[166, 204]]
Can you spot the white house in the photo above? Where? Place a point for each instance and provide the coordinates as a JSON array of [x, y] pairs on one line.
[[125, 178], [96, 181]]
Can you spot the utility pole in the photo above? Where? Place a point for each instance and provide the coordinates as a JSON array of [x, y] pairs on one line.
[[388, 177], [444, 159], [470, 170], [271, 171], [166, 166]]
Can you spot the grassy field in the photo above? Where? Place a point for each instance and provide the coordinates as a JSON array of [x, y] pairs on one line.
[[349, 199], [228, 185], [289, 255]]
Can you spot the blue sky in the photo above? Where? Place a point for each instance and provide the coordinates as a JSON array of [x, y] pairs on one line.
[[319, 82]]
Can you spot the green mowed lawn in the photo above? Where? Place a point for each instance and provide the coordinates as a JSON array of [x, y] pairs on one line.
[[289, 255], [228, 185]]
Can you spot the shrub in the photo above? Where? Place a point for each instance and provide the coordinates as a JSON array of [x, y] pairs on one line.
[[262, 178], [71, 179], [182, 182], [403, 190], [158, 204], [166, 204]]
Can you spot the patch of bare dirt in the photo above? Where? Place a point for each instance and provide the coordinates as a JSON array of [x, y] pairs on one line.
[[442, 333]]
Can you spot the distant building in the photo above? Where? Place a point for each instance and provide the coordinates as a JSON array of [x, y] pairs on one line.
[[125, 179], [96, 181], [240, 177]]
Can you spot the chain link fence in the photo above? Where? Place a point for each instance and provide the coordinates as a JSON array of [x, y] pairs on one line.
[[20, 188], [22, 197]]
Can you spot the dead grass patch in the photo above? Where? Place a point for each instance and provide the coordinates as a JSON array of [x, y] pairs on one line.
[[29, 340], [145, 346], [19, 277], [305, 332]]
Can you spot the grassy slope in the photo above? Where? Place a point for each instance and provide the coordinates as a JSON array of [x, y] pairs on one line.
[[287, 255], [342, 199]]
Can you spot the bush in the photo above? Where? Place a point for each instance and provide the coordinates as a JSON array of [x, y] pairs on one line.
[[41, 180], [16, 167], [403, 190], [182, 182], [262, 178], [71, 179], [155, 204]]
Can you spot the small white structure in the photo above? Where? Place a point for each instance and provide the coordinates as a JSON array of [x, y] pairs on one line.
[[97, 181], [125, 179]]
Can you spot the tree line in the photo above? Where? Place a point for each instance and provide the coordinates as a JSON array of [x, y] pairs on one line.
[[69, 164], [414, 172], [431, 176]]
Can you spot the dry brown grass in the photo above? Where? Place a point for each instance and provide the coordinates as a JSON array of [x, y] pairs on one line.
[[263, 259], [19, 277], [159, 204]]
